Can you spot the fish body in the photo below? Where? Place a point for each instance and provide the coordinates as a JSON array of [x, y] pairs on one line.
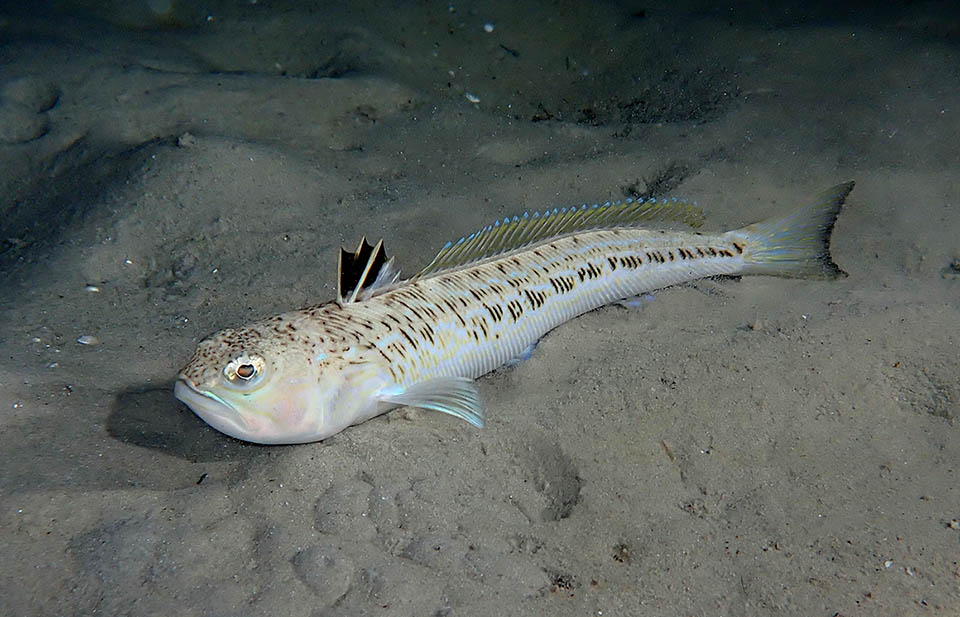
[[484, 301]]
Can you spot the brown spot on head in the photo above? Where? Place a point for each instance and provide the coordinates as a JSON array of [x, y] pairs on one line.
[[231, 352], [216, 351]]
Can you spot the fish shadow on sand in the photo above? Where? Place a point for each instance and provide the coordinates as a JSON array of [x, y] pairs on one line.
[[146, 440], [149, 417]]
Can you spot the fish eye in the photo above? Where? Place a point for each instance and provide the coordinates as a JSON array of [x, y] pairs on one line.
[[244, 371]]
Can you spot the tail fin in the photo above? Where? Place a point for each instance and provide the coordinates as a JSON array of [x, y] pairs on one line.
[[798, 244]]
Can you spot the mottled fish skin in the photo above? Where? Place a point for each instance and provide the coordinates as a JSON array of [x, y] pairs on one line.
[[471, 320], [340, 364]]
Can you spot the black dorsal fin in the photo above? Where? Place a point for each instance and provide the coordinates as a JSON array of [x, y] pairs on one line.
[[359, 270]]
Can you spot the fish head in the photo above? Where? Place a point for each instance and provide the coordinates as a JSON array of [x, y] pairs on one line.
[[271, 385]]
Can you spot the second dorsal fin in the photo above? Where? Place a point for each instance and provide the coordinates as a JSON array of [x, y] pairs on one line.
[[512, 233], [365, 271]]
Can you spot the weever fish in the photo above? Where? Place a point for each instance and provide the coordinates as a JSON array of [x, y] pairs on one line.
[[483, 301]]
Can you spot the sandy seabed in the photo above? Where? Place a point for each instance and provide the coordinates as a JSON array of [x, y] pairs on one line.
[[736, 447]]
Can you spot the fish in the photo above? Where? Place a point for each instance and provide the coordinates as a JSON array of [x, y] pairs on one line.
[[484, 301]]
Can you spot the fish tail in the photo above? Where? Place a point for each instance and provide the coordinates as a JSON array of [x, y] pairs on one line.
[[796, 245]]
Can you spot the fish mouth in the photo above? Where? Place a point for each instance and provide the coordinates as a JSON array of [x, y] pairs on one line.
[[211, 409]]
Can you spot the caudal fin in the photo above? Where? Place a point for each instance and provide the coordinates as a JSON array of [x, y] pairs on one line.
[[798, 244]]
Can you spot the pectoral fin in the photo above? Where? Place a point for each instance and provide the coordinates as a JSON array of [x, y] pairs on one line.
[[456, 396]]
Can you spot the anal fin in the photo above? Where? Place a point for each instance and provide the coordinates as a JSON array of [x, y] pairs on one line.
[[525, 355], [635, 302]]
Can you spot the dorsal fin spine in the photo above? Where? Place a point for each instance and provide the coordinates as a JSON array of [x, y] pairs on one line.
[[365, 272]]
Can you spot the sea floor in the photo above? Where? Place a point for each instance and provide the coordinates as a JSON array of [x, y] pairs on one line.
[[734, 447]]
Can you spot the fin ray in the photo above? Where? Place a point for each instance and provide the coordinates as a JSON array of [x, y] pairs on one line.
[[365, 272], [523, 230], [456, 396], [797, 244]]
